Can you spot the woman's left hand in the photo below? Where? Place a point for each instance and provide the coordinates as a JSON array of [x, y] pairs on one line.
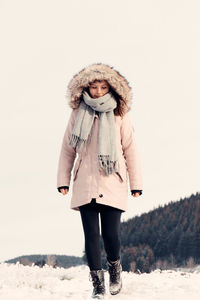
[[136, 194]]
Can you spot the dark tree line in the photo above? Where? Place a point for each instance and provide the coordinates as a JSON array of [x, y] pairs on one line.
[[40, 260], [168, 236]]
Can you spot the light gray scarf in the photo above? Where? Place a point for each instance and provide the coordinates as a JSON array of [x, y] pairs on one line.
[[107, 152]]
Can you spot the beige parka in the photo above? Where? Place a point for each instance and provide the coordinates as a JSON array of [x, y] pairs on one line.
[[87, 181]]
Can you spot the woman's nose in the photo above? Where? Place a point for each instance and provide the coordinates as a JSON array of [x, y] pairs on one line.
[[99, 91]]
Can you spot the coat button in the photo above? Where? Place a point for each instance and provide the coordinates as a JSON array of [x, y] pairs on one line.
[[100, 195]]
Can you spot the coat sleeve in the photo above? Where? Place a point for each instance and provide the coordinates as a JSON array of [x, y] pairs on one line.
[[67, 155], [131, 153]]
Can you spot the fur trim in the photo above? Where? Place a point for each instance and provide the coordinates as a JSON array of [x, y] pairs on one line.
[[99, 71]]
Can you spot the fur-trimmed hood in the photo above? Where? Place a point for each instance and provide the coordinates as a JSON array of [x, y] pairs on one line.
[[99, 71]]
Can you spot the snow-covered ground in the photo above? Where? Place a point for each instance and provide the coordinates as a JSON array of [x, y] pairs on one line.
[[18, 282]]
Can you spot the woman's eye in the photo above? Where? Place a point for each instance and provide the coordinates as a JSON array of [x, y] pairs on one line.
[[103, 87]]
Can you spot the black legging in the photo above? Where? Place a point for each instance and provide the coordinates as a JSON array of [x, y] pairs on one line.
[[110, 230]]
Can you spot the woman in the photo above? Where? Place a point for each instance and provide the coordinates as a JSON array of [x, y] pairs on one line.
[[100, 132]]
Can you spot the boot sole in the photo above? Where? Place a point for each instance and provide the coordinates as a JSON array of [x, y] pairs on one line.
[[117, 292], [98, 297]]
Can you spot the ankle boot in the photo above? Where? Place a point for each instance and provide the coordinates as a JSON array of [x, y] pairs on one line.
[[115, 282], [98, 283]]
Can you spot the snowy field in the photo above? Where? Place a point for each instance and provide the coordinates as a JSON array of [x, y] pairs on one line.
[[18, 282]]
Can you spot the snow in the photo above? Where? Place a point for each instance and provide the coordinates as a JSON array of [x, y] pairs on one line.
[[18, 282]]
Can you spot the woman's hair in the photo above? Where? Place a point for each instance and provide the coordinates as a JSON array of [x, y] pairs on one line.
[[118, 110]]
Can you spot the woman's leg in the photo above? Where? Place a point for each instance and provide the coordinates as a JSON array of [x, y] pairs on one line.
[[90, 221], [110, 227]]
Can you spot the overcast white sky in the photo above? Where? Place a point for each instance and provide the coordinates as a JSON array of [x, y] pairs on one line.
[[154, 44]]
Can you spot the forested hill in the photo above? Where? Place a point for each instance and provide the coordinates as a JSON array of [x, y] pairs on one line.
[[166, 236], [54, 260]]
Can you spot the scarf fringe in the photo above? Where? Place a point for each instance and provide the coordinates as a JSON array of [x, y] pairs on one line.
[[107, 165], [76, 141]]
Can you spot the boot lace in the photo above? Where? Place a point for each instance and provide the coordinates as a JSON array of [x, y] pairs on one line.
[[114, 271], [98, 285]]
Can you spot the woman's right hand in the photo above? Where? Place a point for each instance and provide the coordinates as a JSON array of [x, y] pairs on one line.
[[64, 191]]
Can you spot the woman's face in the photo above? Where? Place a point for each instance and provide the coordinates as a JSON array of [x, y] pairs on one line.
[[98, 88]]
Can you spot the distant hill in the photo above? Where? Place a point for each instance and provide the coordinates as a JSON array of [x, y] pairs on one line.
[[64, 261], [166, 237]]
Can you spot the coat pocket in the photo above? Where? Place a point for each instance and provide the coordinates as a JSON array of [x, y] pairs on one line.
[[118, 174], [76, 168], [122, 173]]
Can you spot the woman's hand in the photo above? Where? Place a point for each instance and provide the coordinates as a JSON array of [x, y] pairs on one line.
[[64, 191], [136, 194]]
